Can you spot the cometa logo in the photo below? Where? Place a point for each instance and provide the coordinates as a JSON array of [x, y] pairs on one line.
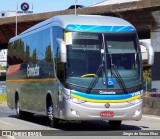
[[102, 92], [32, 71]]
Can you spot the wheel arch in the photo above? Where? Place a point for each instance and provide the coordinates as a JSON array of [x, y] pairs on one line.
[[16, 97], [49, 100]]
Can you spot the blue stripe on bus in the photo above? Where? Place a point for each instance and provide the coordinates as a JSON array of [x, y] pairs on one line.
[[92, 28], [105, 97]]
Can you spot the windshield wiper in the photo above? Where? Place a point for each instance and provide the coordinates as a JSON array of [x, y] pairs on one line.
[[119, 79], [94, 80], [117, 76]]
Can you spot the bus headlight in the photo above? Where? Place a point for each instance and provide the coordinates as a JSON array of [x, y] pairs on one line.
[[76, 100], [136, 101]]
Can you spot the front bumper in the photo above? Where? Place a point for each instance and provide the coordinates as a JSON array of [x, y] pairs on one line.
[[91, 111]]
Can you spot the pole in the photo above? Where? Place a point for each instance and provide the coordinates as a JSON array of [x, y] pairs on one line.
[[146, 88], [75, 7], [16, 32], [16, 23], [16, 19]]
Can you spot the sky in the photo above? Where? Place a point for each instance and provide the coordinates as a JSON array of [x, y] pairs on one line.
[[41, 6]]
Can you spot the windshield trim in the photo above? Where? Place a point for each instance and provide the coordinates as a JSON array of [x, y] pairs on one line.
[[96, 90]]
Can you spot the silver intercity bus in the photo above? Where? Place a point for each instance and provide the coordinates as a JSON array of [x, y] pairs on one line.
[[77, 67]]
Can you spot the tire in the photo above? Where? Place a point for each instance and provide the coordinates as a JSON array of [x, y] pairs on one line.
[[54, 122], [115, 124], [20, 114]]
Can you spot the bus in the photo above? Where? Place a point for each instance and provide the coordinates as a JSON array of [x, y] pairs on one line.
[[66, 68]]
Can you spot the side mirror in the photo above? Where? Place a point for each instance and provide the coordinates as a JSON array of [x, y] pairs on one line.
[[63, 50], [150, 52]]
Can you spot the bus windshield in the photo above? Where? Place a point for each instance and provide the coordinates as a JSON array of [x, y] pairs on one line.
[[87, 52]]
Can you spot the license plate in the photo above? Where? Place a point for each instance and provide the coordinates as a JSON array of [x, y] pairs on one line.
[[106, 114]]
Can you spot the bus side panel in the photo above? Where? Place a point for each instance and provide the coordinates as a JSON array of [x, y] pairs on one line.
[[14, 59], [10, 96], [13, 86]]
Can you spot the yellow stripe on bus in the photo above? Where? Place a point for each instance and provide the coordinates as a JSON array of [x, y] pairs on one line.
[[105, 101], [33, 80]]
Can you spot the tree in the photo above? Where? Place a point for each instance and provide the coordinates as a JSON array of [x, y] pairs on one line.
[[48, 54], [27, 53], [147, 75], [147, 78], [34, 55]]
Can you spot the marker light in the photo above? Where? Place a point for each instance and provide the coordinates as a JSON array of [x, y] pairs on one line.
[[76, 113], [136, 101], [137, 112], [76, 100]]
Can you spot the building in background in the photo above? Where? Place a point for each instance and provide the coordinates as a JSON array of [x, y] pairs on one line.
[[108, 2], [3, 63], [3, 57], [4, 14], [144, 50]]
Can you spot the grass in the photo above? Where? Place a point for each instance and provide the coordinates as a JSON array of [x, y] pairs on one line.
[[3, 98]]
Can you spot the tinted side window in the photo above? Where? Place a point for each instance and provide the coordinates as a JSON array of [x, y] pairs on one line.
[[33, 50], [28, 44], [10, 53], [15, 52], [39, 46], [47, 45], [45, 55], [57, 33], [31, 47]]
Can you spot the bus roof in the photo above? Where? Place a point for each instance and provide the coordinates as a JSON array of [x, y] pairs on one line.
[[64, 20]]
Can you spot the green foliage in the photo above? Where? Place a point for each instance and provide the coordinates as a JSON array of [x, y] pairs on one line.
[[27, 53], [2, 67], [34, 55], [48, 54], [3, 98], [147, 75]]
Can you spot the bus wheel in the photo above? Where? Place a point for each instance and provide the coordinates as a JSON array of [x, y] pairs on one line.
[[19, 113], [52, 120], [115, 124]]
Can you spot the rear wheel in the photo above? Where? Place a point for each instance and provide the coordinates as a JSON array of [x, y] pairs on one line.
[[115, 124], [19, 113], [52, 120]]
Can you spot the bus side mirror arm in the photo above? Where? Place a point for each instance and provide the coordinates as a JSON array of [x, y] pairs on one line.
[[63, 50], [150, 52]]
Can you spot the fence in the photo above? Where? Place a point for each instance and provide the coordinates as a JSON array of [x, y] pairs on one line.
[[148, 86], [149, 91]]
